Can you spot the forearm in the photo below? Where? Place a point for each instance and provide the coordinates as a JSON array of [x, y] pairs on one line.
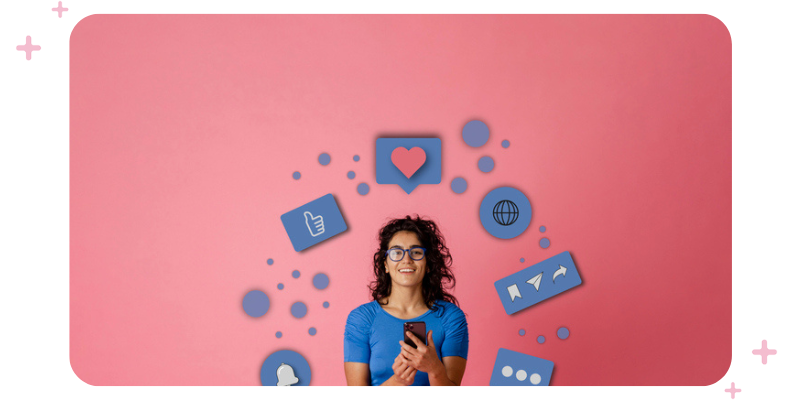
[[439, 377], [392, 381]]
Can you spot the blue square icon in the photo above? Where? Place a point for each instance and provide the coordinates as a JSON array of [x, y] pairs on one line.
[[518, 369], [314, 222]]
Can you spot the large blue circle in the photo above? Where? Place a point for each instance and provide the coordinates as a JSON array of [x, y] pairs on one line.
[[324, 158], [255, 303], [475, 133], [269, 369], [493, 211]]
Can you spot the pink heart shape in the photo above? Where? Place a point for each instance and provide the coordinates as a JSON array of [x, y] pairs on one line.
[[408, 161]]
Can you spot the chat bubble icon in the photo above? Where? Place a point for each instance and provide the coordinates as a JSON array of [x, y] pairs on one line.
[[408, 162]]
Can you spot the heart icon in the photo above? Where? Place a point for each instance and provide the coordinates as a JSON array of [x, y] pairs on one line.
[[408, 161]]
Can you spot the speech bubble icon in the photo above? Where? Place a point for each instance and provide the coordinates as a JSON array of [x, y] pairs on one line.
[[403, 170]]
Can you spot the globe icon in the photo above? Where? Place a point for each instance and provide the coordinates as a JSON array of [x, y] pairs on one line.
[[505, 212]]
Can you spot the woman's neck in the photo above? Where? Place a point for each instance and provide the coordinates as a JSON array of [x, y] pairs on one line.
[[406, 300]]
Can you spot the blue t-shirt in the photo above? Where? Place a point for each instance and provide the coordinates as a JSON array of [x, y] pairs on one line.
[[372, 337]]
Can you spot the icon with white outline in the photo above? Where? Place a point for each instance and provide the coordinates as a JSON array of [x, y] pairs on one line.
[[319, 225]]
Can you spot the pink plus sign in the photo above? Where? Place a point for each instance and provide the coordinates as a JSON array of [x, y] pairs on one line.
[[28, 47], [733, 390], [764, 352], [60, 9]]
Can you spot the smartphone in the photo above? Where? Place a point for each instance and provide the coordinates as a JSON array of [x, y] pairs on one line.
[[418, 329]]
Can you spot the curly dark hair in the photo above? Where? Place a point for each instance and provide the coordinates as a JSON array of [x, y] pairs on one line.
[[438, 279]]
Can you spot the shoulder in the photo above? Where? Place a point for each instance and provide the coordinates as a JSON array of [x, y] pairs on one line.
[[449, 311], [363, 314]]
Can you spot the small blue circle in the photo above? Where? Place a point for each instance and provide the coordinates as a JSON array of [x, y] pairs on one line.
[[505, 144], [351, 175], [278, 334], [521, 260], [356, 158], [505, 212], [295, 274], [312, 331], [486, 164], [296, 175], [562, 333], [280, 286], [363, 189], [475, 133], [269, 369], [326, 304], [324, 158], [458, 185], [542, 229], [270, 261], [320, 281], [544, 243], [522, 332], [255, 303], [540, 339], [299, 309]]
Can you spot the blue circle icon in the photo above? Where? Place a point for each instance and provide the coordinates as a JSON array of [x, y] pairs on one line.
[[255, 303], [285, 368], [505, 212]]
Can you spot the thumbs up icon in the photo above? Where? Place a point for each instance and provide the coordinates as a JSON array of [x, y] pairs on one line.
[[319, 226]]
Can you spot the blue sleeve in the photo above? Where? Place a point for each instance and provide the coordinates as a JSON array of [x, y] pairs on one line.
[[456, 334], [356, 336]]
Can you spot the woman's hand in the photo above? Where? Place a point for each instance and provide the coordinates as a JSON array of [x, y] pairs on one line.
[[423, 358], [403, 373]]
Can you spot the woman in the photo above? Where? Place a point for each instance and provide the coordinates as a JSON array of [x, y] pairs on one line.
[[412, 272]]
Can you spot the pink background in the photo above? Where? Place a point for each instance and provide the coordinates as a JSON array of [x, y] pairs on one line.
[[185, 131]]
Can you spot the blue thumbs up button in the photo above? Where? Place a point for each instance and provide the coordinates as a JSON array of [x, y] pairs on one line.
[[313, 222]]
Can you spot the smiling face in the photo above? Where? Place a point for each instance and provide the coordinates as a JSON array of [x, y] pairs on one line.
[[406, 272]]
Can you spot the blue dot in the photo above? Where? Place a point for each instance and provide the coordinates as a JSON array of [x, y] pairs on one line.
[[324, 159], [351, 175], [280, 286], [486, 164], [459, 185], [562, 333], [312, 331], [320, 281], [296, 175], [542, 229], [363, 189], [299, 309], [475, 133], [505, 144], [356, 158], [544, 243], [255, 303], [278, 334], [295, 274], [270, 261], [540, 339], [326, 304], [522, 332], [521, 260]]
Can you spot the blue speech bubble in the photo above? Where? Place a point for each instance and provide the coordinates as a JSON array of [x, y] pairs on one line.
[[512, 368], [388, 173]]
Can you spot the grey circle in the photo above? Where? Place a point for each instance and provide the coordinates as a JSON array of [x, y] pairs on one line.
[[320, 281], [486, 164], [299, 309], [475, 133], [507, 371], [459, 185], [521, 375]]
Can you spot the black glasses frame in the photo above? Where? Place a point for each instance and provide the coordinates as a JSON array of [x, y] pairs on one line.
[[424, 252]]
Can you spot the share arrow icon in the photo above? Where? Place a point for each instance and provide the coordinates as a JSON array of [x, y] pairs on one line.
[[562, 270], [536, 280]]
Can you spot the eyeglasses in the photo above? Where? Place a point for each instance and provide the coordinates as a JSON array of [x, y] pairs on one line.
[[397, 254]]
